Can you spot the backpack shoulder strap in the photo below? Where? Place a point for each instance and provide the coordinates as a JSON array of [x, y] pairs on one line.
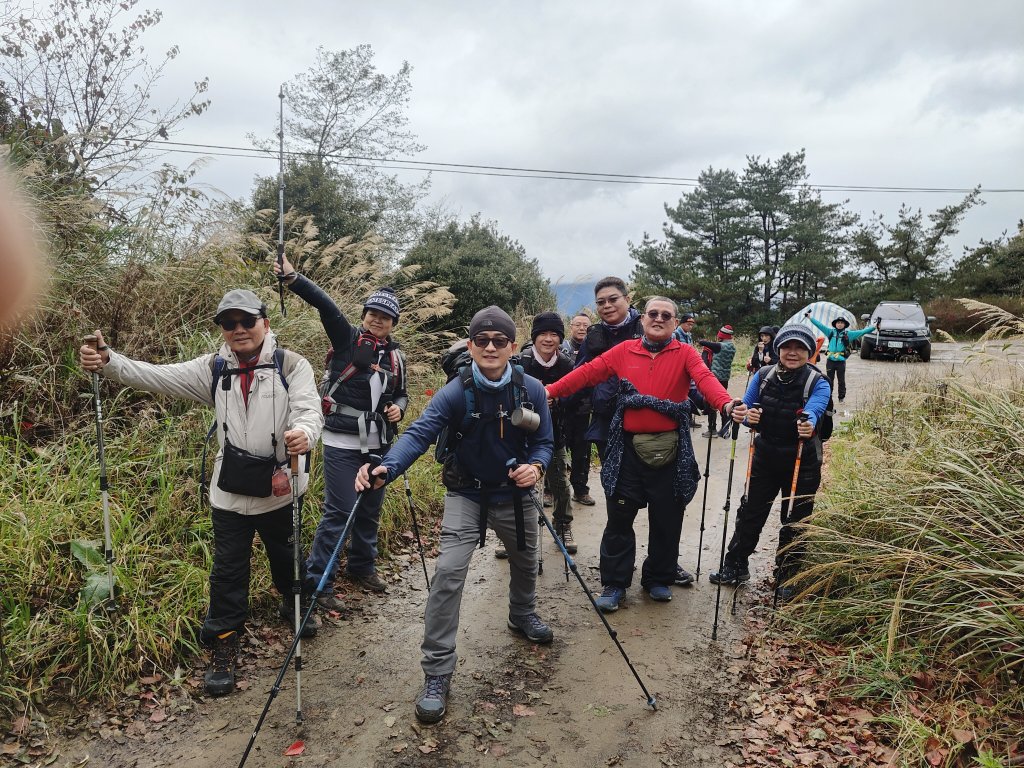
[[285, 361], [770, 373], [217, 364], [468, 398], [398, 368]]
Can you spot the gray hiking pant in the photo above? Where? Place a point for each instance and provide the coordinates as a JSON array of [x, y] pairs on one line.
[[460, 535]]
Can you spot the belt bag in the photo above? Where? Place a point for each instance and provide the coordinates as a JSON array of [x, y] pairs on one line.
[[246, 474], [656, 449]]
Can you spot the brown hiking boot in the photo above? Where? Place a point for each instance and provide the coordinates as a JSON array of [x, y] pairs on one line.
[[586, 500]]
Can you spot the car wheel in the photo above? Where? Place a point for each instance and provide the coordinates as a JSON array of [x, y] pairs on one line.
[[865, 350], [926, 353]]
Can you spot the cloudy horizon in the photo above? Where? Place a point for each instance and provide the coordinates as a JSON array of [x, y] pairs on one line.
[[911, 94]]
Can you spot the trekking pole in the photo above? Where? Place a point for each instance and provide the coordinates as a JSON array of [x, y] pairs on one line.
[[416, 527], [280, 202], [108, 543], [651, 701], [743, 501], [704, 505], [789, 512], [276, 688], [725, 523], [297, 584]]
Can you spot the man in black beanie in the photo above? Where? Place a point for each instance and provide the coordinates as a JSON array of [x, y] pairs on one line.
[[544, 360]]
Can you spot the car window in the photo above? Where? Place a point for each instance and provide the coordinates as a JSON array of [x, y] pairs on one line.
[[900, 312]]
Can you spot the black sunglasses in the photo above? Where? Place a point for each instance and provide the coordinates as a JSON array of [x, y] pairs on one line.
[[499, 342], [249, 321], [663, 316]]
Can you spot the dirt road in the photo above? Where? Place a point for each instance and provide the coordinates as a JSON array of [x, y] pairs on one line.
[[573, 703]]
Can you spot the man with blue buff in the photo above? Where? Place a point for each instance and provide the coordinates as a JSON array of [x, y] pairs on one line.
[[792, 397], [489, 464]]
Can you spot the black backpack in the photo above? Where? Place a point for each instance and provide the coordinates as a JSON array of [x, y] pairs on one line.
[[827, 423], [844, 339]]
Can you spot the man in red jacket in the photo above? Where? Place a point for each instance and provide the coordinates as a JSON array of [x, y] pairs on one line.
[[649, 459]]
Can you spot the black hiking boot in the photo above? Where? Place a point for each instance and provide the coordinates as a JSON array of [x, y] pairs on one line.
[[432, 702], [286, 612], [531, 627], [731, 574], [683, 578], [219, 679], [565, 533]]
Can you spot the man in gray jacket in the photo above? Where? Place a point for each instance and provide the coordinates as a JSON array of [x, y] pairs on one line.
[[267, 408]]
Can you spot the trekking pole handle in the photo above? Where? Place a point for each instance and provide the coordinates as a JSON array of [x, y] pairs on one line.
[[294, 458], [90, 340]]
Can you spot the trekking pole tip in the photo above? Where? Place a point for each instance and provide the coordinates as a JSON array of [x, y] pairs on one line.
[[652, 703]]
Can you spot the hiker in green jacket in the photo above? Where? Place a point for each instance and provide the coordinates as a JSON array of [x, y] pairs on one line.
[[840, 347], [718, 355]]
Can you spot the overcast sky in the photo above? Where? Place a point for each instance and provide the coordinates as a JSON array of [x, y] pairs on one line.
[[927, 93]]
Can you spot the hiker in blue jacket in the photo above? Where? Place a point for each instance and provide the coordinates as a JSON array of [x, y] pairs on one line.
[[489, 468], [840, 347]]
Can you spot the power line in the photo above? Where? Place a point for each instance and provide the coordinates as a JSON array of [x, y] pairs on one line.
[[468, 169]]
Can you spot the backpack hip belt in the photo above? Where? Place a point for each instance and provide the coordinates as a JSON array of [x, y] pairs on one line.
[[363, 419]]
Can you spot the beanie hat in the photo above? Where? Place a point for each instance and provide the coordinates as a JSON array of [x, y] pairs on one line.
[[383, 300], [547, 321], [796, 332], [725, 332], [492, 318]]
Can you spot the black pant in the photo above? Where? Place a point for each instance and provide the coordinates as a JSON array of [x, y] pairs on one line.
[[232, 551], [640, 486], [579, 448], [711, 412], [836, 369], [771, 474]]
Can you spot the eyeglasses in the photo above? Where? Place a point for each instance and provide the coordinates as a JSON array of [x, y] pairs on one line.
[[607, 300], [499, 342], [663, 316], [249, 321]]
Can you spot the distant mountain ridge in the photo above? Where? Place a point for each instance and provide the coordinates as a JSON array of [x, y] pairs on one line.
[[572, 297]]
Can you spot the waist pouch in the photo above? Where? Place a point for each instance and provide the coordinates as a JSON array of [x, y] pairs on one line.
[[656, 449], [453, 476], [246, 474]]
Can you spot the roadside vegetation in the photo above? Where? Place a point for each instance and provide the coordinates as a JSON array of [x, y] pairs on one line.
[[914, 591]]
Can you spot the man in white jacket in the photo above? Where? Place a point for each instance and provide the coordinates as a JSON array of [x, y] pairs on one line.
[[267, 408]]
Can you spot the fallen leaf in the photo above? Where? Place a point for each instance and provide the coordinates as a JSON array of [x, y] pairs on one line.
[[521, 710], [390, 720], [150, 680], [399, 748], [296, 749], [158, 716]]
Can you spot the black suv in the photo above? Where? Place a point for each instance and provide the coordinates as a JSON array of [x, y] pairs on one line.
[[902, 329]]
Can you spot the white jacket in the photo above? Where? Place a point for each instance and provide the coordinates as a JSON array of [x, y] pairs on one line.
[[272, 409]]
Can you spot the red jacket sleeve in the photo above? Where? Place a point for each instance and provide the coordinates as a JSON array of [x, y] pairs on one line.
[[590, 373]]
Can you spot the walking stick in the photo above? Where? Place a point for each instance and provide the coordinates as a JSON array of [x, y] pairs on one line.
[[416, 527], [108, 544], [704, 504], [276, 689], [280, 203], [725, 523], [743, 502], [789, 511], [571, 564], [297, 584]]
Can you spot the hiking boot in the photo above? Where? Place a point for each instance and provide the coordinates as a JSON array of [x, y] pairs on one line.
[[549, 500], [565, 533], [730, 574], [532, 627], [707, 433], [331, 602], [432, 702], [724, 431], [659, 593], [219, 679], [585, 499], [610, 598], [286, 611], [683, 578], [370, 581], [500, 552]]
